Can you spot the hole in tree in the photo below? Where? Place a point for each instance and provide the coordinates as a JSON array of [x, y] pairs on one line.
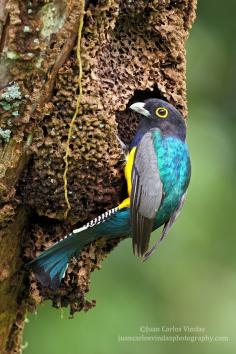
[[128, 120], [141, 95], [92, 2]]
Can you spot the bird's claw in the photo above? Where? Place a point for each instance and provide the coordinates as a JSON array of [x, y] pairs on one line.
[[124, 148]]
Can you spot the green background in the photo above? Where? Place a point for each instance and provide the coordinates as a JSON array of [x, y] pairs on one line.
[[191, 280]]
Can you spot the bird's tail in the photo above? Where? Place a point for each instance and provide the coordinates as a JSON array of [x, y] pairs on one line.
[[50, 267]]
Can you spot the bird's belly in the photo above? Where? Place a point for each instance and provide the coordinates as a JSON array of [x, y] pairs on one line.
[[174, 168], [168, 206]]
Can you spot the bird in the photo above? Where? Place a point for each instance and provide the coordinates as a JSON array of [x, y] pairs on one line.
[[157, 172]]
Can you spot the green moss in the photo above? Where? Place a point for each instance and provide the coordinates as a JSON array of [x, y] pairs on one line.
[[16, 104], [38, 62], [51, 19], [10, 99], [26, 29], [12, 92], [5, 134], [5, 105], [15, 113], [10, 54]]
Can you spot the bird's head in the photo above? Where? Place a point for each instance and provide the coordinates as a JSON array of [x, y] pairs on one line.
[[162, 115]]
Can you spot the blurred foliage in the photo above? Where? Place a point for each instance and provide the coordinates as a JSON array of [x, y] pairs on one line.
[[191, 280]]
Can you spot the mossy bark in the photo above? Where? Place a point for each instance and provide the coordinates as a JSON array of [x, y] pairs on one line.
[[129, 50]]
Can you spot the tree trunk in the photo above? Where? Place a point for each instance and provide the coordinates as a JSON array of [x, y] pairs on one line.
[[68, 71]]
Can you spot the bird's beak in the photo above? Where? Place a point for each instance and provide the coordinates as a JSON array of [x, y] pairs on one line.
[[139, 108]]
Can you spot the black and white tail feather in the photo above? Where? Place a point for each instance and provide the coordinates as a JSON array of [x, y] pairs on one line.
[[50, 267]]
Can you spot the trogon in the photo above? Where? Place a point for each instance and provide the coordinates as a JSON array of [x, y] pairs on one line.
[[157, 171]]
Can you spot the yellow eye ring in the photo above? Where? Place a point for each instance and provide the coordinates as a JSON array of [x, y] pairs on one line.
[[162, 112]]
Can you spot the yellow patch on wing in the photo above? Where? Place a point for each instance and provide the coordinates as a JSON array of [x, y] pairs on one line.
[[128, 177]]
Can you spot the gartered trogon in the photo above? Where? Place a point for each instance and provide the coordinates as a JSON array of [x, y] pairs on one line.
[[157, 172]]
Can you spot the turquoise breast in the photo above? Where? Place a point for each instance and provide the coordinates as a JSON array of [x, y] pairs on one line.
[[175, 170]]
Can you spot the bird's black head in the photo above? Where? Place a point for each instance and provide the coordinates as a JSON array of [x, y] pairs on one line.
[[162, 115]]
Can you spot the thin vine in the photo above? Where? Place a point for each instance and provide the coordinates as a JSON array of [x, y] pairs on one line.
[[78, 100]]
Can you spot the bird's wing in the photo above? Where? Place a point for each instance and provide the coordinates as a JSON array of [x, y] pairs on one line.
[[146, 193], [166, 227]]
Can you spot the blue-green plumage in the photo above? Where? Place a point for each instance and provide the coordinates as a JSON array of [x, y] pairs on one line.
[[161, 172], [174, 168]]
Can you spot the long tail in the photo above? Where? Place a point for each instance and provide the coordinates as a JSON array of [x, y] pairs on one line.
[[51, 265]]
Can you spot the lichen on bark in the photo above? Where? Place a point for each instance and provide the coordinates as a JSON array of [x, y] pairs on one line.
[[129, 50]]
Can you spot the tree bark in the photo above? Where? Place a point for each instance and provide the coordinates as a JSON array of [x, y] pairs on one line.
[[68, 72]]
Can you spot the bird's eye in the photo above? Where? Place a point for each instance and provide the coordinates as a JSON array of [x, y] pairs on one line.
[[162, 112]]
